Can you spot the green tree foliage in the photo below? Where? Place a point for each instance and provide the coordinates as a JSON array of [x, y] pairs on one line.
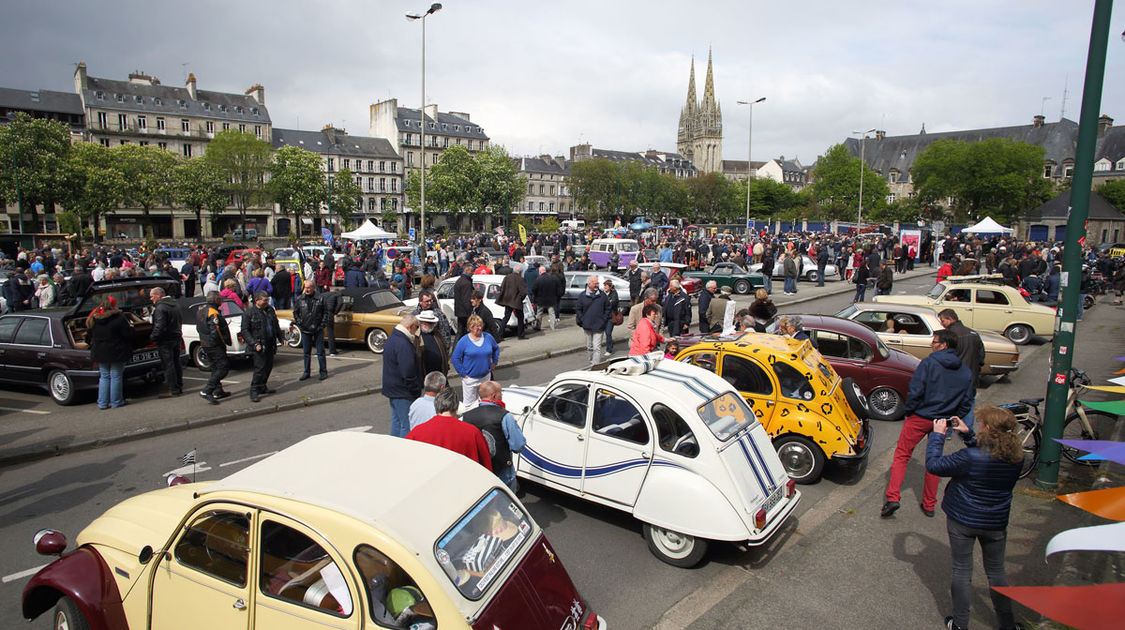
[[835, 187], [997, 177], [95, 184], [199, 185], [243, 160], [605, 190], [596, 187], [462, 183], [768, 197], [33, 159], [344, 195], [148, 177], [1114, 193], [714, 199], [500, 186], [548, 225], [297, 183], [389, 219]]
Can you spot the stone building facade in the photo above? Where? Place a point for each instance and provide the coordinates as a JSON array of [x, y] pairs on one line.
[[548, 194], [700, 135]]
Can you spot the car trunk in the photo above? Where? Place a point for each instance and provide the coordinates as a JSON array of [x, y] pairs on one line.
[[132, 298]]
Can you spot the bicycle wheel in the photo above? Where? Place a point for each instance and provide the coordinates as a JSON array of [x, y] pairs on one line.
[[1101, 428], [1030, 436]]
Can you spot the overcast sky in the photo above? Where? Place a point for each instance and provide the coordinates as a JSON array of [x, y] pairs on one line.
[[540, 77]]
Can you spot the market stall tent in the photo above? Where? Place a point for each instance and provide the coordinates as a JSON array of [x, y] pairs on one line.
[[988, 226], [368, 231]]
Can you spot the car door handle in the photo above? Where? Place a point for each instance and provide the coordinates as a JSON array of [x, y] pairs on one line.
[[580, 437], [239, 604], [645, 455], [41, 355]]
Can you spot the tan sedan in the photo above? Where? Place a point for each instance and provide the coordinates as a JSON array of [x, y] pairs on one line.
[[913, 329], [366, 315]]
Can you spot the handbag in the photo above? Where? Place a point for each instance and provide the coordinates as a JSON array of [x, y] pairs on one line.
[[618, 317]]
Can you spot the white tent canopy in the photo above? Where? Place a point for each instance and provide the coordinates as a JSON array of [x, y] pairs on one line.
[[988, 226], [368, 231]]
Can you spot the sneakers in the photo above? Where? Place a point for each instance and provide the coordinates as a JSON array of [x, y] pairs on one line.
[[929, 513], [890, 507], [210, 398], [221, 395]]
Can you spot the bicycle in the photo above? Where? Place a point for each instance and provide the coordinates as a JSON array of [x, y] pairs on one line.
[[1078, 424]]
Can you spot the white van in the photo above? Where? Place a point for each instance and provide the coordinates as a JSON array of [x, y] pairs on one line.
[[572, 224]]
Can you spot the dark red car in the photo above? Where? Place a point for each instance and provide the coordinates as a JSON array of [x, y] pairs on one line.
[[855, 351]]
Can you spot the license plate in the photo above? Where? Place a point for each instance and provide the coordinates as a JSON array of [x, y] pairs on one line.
[[147, 355], [773, 499]]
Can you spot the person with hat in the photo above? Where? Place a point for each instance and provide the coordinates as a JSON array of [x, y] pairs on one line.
[[433, 347], [717, 309]]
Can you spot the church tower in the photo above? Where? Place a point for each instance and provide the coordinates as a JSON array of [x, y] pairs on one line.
[[700, 136]]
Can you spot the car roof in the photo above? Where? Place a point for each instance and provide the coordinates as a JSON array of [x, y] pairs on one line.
[[888, 306], [663, 379], [840, 325], [411, 490]]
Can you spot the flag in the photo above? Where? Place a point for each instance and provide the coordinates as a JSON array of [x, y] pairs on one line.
[[188, 458]]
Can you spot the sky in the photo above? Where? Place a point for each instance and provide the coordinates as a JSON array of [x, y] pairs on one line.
[[541, 77]]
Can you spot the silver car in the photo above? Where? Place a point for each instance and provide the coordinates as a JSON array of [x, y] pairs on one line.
[[576, 284], [808, 270]]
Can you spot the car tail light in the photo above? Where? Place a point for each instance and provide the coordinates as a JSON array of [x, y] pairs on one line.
[[790, 488], [177, 480], [591, 621], [1015, 359], [760, 518], [240, 340]]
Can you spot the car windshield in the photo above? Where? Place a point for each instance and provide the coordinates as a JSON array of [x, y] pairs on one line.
[[883, 350], [726, 415], [627, 247], [936, 291], [476, 549], [847, 312]]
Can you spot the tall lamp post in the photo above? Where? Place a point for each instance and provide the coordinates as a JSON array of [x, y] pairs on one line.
[[749, 137], [862, 168], [434, 8]]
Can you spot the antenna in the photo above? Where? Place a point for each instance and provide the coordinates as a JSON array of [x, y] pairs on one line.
[[1066, 84], [1043, 108]]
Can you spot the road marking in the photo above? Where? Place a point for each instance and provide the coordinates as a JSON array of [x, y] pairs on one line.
[[246, 459], [32, 411], [354, 359], [22, 574], [359, 429], [189, 469], [198, 378]]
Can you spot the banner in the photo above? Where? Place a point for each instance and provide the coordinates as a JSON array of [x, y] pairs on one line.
[[327, 234], [911, 238], [523, 233]]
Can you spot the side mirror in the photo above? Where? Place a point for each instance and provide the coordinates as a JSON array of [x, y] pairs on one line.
[[49, 542]]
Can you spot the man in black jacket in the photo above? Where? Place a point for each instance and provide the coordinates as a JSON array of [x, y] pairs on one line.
[[705, 303], [81, 281], [593, 314], [633, 275], [677, 310], [168, 333], [549, 290], [462, 296], [821, 262], [310, 316], [970, 348], [282, 283], [262, 333], [214, 337]]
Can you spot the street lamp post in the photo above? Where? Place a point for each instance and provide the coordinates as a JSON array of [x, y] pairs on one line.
[[862, 165], [749, 137], [434, 8]]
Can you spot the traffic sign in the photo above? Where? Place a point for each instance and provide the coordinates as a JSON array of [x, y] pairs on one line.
[[413, 234]]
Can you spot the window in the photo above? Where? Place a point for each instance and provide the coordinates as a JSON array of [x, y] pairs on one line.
[[957, 295], [618, 418], [986, 296], [258, 130], [254, 111], [832, 344], [185, 125], [382, 184], [142, 124], [551, 206], [331, 164], [122, 122], [1102, 165], [160, 123], [34, 332], [792, 383], [531, 206], [347, 164], [187, 150], [382, 166], [222, 107], [1047, 168], [119, 98], [673, 433], [478, 547], [410, 158], [226, 126], [433, 160], [541, 206], [540, 189], [210, 126], [370, 166], [705, 360], [242, 127], [103, 120], [1068, 171], [746, 376], [394, 185], [294, 568], [100, 95], [143, 143], [1121, 165], [371, 204], [104, 142], [238, 109], [217, 544], [394, 167], [162, 145], [531, 189], [7, 327], [566, 404], [206, 107], [552, 190], [726, 415], [384, 576]]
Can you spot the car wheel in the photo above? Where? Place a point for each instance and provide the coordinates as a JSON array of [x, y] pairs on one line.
[[856, 400], [1018, 334], [802, 460], [885, 403], [1088, 301], [497, 330], [674, 548], [68, 616], [742, 287], [812, 276], [293, 337], [61, 387], [199, 357], [376, 339]]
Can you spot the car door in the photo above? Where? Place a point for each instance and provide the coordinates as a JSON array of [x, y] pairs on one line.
[[843, 352], [753, 381], [991, 310], [555, 430], [960, 300], [203, 580], [344, 323], [27, 351], [619, 448], [8, 325]]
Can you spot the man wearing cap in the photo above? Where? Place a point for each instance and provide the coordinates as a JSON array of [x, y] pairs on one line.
[[262, 333], [434, 351]]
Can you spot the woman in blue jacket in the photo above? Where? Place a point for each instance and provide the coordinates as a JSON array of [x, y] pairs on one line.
[[977, 501], [474, 357]]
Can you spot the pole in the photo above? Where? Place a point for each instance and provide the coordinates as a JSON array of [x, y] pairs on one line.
[[749, 137], [1062, 351], [862, 163], [16, 173], [422, 110]]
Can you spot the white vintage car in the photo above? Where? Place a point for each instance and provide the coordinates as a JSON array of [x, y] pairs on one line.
[[489, 285], [236, 349], [670, 443]]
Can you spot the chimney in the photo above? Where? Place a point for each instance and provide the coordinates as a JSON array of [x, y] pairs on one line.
[[1104, 123], [1037, 121], [80, 84], [139, 78], [581, 152], [190, 85], [880, 134], [332, 133], [258, 93], [461, 115], [431, 112]]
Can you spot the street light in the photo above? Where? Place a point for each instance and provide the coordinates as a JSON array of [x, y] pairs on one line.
[[434, 8], [862, 164], [749, 137]]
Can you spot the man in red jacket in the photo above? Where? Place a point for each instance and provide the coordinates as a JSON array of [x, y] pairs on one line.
[[446, 431]]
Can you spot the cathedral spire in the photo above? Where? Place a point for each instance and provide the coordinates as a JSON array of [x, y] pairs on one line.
[[691, 86], [709, 86]]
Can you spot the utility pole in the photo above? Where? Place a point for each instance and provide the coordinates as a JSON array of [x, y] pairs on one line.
[[1062, 351]]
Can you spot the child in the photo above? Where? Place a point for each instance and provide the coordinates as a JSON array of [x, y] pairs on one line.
[[671, 349]]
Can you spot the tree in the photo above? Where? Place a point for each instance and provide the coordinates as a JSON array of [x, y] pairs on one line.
[[998, 176], [33, 159], [451, 184], [1114, 193], [836, 181], [243, 160], [500, 185], [344, 195], [769, 197], [595, 185], [548, 225], [95, 184], [297, 183], [197, 184], [713, 198], [148, 177]]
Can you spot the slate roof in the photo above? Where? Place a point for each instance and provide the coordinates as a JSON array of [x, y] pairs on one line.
[[655, 159], [1059, 139], [1111, 145], [447, 124], [172, 101], [1056, 208], [41, 101], [546, 166], [739, 166], [346, 145]]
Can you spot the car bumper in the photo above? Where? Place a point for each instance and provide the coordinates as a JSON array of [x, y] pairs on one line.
[[861, 454], [765, 534], [1000, 369]]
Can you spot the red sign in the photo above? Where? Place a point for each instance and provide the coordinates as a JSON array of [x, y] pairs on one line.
[[1060, 379]]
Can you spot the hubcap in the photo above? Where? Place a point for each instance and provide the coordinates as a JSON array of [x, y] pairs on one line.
[[61, 622], [797, 459], [885, 401], [673, 543], [859, 395], [376, 339], [60, 386]]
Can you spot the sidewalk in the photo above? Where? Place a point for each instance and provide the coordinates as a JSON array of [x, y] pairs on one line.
[[50, 430]]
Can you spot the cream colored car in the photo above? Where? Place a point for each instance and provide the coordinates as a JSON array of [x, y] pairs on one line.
[[985, 303]]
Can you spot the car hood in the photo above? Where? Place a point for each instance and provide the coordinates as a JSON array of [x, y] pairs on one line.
[[901, 361], [518, 399], [903, 299], [147, 519]]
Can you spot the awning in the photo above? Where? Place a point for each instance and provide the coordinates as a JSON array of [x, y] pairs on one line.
[[306, 220]]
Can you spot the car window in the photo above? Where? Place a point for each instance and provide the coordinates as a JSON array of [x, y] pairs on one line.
[[7, 327], [746, 376], [230, 308], [857, 349], [935, 292], [567, 404], [474, 552], [988, 296], [830, 344], [792, 383], [445, 290], [393, 597], [723, 271], [907, 324], [296, 569], [705, 360], [673, 433], [34, 332], [618, 418], [493, 291], [217, 544], [957, 295], [726, 415]]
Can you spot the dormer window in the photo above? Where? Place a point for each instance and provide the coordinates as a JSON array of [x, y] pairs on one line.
[[206, 107], [181, 103], [119, 98], [156, 100], [139, 99], [222, 108], [100, 95], [238, 109], [254, 111]]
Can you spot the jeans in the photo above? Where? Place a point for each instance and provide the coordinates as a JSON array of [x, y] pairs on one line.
[[308, 340], [790, 285], [819, 276], [609, 337], [111, 377], [173, 369], [508, 476], [283, 304], [400, 416], [263, 366], [769, 285], [594, 341], [914, 430], [860, 292], [992, 542]]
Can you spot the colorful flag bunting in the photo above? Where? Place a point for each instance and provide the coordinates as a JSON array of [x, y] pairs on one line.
[[1108, 503], [1097, 538], [1094, 607]]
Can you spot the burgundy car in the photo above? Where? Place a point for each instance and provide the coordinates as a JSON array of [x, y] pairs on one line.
[[855, 351]]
